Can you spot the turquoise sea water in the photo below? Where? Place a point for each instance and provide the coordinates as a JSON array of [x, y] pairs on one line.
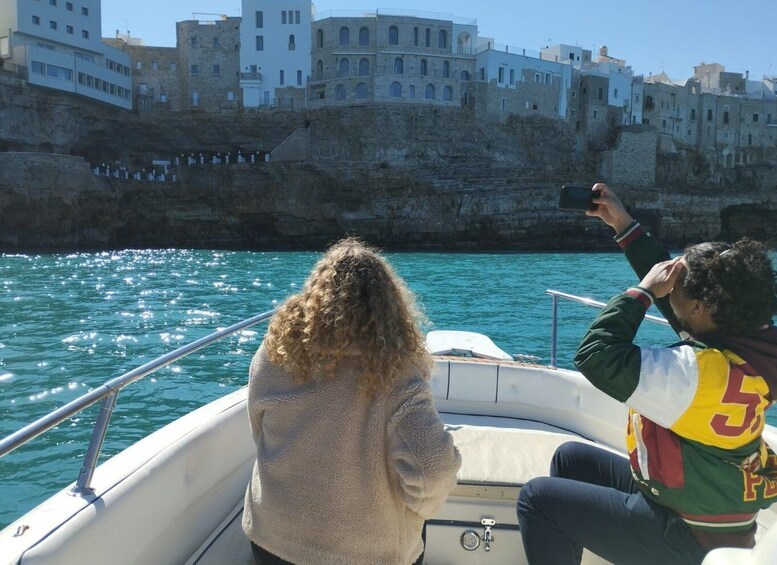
[[71, 322]]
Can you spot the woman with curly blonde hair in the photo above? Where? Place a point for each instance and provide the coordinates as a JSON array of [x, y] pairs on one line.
[[351, 454]]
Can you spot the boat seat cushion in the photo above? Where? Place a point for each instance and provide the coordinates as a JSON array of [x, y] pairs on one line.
[[505, 451]]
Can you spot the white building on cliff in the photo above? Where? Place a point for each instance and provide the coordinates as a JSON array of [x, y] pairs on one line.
[[57, 44], [275, 43]]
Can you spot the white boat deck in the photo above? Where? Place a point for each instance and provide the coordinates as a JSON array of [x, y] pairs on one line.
[[498, 456]]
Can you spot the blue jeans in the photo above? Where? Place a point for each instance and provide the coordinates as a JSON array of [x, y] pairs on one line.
[[591, 501]]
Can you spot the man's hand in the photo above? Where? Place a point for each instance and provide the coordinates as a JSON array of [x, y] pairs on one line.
[[663, 276], [610, 209]]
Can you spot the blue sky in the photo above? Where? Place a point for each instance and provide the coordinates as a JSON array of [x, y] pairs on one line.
[[652, 35]]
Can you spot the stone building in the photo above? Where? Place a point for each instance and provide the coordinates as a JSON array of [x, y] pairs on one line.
[[209, 55], [522, 83], [391, 58], [200, 73], [731, 130], [57, 45]]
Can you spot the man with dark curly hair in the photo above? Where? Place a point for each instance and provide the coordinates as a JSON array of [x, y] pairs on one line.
[[698, 470]]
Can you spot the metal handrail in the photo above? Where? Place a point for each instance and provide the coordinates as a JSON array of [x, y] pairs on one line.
[[555, 295], [107, 392]]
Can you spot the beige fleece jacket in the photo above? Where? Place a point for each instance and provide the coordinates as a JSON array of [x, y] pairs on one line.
[[342, 479]]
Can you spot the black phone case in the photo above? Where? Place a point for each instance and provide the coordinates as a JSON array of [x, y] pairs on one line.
[[576, 198]]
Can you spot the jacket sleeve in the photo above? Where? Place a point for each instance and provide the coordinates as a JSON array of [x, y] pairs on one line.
[[607, 355], [642, 251], [422, 453]]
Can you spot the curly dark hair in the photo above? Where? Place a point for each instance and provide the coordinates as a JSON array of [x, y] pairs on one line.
[[736, 283]]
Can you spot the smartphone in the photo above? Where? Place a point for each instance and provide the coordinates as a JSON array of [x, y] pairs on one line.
[[577, 198]]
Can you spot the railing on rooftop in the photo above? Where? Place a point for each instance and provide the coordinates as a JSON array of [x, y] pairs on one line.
[[396, 12]]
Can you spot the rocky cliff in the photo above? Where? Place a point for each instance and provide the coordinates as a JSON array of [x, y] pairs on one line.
[[402, 177]]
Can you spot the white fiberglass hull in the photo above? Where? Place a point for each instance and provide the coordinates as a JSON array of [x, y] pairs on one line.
[[175, 496]]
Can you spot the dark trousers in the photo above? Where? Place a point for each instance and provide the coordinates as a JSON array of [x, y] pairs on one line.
[[264, 557], [591, 501]]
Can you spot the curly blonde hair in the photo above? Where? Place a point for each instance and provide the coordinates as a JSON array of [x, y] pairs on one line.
[[352, 302]]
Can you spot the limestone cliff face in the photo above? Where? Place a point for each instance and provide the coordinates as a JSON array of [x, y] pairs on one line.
[[409, 178], [55, 203]]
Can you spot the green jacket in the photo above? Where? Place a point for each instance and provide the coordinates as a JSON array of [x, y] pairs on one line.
[[696, 412]]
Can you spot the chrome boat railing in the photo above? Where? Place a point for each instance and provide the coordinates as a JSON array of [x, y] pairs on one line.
[[108, 392], [555, 295]]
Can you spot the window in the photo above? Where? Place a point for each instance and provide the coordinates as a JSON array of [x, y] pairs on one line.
[[415, 36], [195, 98], [283, 16], [725, 117], [615, 93], [501, 78], [281, 78], [85, 33], [693, 113], [138, 65], [442, 39], [364, 67], [755, 118], [163, 98], [292, 43], [69, 30], [69, 6], [173, 66], [259, 18], [299, 78], [216, 70], [345, 67], [37, 68], [361, 91], [709, 115], [84, 11], [339, 92], [319, 69], [364, 36], [53, 2], [447, 93], [53, 24], [446, 69], [296, 16], [537, 77], [504, 104], [395, 90], [429, 92], [411, 91], [601, 93], [193, 41], [398, 66], [596, 113], [547, 78], [216, 43], [195, 70], [465, 75], [319, 38], [230, 95], [36, 20], [427, 37], [345, 36], [154, 65], [424, 67], [260, 43], [393, 36], [512, 77]]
